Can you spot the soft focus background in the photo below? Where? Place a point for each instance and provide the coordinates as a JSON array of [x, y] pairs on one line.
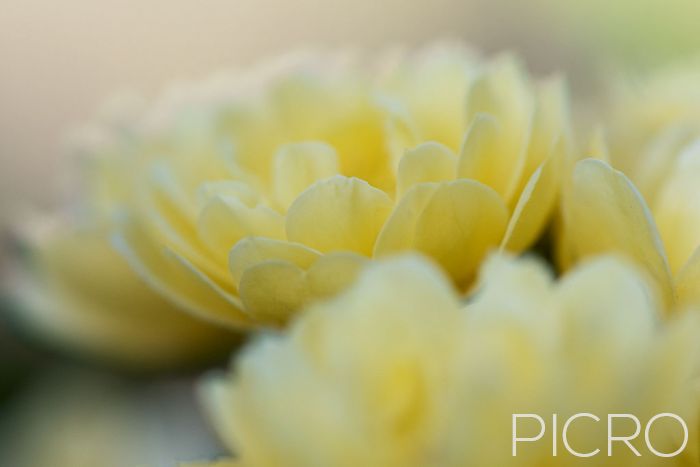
[[59, 61]]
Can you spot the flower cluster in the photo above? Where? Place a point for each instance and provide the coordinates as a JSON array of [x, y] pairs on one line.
[[398, 372], [350, 208], [322, 172]]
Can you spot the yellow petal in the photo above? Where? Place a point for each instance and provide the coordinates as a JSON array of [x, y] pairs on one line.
[[455, 223], [253, 250], [688, 282], [609, 290], [338, 214], [171, 278], [398, 233], [656, 162], [400, 131], [272, 291], [534, 207], [462, 221], [548, 125], [606, 213], [502, 91], [333, 273], [483, 156], [225, 220], [297, 166], [677, 209], [170, 215], [429, 162], [243, 191]]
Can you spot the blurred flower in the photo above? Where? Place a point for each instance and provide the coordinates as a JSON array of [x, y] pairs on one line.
[[397, 372], [252, 207], [650, 209], [82, 295]]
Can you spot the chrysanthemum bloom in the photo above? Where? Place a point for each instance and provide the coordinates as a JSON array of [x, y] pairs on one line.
[[397, 371], [329, 166], [649, 209]]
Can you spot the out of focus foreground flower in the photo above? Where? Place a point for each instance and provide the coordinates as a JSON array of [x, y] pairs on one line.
[[247, 209], [398, 372], [649, 209]]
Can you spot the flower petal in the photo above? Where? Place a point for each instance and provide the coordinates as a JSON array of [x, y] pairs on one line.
[[253, 250], [398, 233], [225, 220], [502, 91], [677, 208], [605, 212], [534, 207], [483, 156], [273, 290], [688, 282], [547, 128], [173, 280], [333, 273], [338, 214], [429, 162], [460, 223], [297, 166], [455, 223]]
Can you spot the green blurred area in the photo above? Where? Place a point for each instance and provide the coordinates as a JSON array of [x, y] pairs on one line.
[[633, 34]]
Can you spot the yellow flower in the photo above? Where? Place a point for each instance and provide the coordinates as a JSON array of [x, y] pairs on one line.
[[396, 371], [649, 209], [83, 295], [329, 166]]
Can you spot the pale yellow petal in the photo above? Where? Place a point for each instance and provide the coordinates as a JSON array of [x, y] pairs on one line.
[[175, 281], [677, 208], [398, 233], [225, 220], [253, 250], [297, 166], [400, 131], [534, 207], [688, 282], [484, 157], [455, 223], [461, 223], [168, 214], [606, 213], [243, 191], [546, 127], [655, 163], [338, 214], [272, 291], [333, 273], [429, 162], [502, 91], [607, 289]]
